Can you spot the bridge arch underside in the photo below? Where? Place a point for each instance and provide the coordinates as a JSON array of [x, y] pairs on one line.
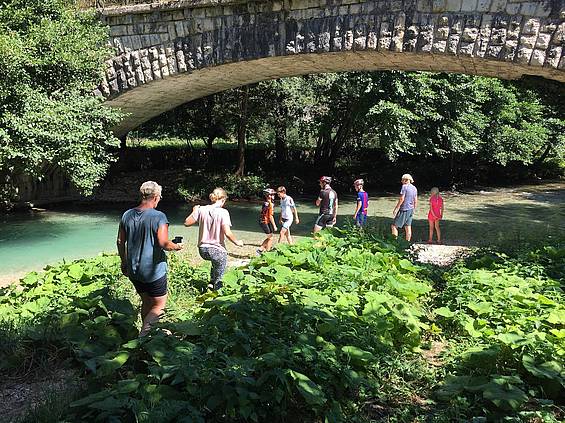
[[159, 96], [175, 52]]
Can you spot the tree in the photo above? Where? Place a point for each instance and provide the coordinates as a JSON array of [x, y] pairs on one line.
[[52, 56]]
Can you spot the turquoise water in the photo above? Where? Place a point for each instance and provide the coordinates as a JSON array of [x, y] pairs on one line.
[[29, 241]]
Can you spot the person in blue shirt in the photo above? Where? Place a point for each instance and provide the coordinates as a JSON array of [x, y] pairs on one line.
[[360, 215], [143, 238]]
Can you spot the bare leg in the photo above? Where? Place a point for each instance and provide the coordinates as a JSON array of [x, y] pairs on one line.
[[438, 231], [431, 232], [154, 307], [289, 237], [267, 243], [394, 231], [408, 230], [282, 233], [316, 228]]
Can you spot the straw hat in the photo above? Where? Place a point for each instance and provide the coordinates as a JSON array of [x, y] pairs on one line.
[[407, 177]]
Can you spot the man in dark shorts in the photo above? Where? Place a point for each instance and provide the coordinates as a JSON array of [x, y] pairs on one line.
[[143, 238], [405, 207], [327, 201]]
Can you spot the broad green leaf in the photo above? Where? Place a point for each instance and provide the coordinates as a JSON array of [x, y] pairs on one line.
[[510, 338], [504, 395], [548, 369], [444, 312], [76, 271], [357, 355], [108, 365], [311, 392]]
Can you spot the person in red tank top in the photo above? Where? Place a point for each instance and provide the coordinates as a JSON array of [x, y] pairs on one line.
[[435, 215]]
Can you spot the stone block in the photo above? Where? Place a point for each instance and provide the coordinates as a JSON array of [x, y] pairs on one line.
[[442, 33], [452, 44], [498, 6], [559, 35], [538, 58], [543, 41], [466, 49], [483, 5], [424, 6], [453, 5], [277, 6], [470, 35], [512, 8], [439, 6], [180, 30], [118, 30], [469, 6], [544, 9], [372, 41], [528, 41], [439, 46], [553, 56], [531, 27], [529, 8]]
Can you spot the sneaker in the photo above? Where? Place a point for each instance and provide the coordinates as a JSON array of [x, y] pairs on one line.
[[258, 251], [210, 287]]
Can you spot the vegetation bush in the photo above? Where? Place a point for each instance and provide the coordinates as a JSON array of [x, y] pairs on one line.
[[329, 329], [198, 185]]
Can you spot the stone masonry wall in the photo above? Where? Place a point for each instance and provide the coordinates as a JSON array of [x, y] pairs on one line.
[[174, 52]]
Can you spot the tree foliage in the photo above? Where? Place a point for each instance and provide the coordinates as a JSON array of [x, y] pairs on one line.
[[51, 56], [401, 114]]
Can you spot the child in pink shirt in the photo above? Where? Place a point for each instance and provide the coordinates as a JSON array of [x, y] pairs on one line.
[[435, 215]]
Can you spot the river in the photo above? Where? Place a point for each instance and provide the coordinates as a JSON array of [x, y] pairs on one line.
[[29, 241]]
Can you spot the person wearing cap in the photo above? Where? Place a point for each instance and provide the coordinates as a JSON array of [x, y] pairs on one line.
[[289, 214], [267, 220], [360, 215], [405, 207], [327, 201], [143, 238]]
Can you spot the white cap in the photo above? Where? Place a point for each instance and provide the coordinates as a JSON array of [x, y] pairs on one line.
[[408, 177]]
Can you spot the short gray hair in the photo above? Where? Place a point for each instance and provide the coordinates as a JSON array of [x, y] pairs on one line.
[[150, 189]]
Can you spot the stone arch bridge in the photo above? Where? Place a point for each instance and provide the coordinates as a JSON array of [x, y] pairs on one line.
[[173, 52]]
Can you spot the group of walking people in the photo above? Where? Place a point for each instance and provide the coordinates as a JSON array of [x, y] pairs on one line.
[[143, 234]]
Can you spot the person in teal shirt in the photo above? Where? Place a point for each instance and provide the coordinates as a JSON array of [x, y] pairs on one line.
[[143, 238]]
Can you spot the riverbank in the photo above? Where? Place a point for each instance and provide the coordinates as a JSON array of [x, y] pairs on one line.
[[490, 216]]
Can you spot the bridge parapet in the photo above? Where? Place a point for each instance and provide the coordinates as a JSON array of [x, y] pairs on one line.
[[205, 46]]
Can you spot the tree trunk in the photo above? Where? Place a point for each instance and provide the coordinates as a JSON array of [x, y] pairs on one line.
[[281, 149], [242, 132]]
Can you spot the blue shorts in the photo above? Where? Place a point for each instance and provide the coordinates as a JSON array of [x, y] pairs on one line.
[[403, 218], [156, 288], [361, 219]]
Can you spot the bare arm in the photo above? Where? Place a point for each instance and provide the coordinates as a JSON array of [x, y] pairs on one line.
[[231, 236], [335, 210], [272, 219], [432, 210], [163, 239], [295, 215], [121, 244], [398, 204], [357, 209], [415, 202], [190, 220], [318, 202]]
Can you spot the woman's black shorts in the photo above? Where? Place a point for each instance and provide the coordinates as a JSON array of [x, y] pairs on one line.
[[156, 288], [268, 228]]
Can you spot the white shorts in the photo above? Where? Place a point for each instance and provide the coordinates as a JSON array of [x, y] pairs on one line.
[[287, 222]]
